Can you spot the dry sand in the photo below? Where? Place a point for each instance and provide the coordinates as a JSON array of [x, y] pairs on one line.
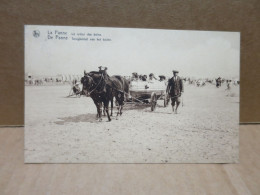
[[59, 129]]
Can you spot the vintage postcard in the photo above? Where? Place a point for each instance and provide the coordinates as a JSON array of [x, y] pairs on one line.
[[126, 95]]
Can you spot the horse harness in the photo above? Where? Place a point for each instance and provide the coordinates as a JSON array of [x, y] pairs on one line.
[[102, 77]]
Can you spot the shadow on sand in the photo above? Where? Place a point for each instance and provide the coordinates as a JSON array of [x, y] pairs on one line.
[[91, 118], [134, 107]]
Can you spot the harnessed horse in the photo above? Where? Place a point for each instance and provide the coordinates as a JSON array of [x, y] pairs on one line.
[[102, 88]]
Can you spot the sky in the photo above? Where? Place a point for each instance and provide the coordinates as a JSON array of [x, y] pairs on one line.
[[200, 54]]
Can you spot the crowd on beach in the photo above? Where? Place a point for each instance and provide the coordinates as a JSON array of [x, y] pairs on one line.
[[72, 80], [199, 82], [50, 80]]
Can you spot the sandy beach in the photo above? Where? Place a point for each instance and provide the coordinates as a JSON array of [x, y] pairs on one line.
[[65, 130]]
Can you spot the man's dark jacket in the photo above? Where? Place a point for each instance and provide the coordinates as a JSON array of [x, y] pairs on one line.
[[175, 87]]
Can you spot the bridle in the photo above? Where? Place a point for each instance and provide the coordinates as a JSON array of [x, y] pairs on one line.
[[97, 84]]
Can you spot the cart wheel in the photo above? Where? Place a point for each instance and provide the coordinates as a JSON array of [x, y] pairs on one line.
[[153, 101]]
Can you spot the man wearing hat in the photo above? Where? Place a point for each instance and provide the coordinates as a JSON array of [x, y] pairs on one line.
[[151, 77], [175, 88], [103, 70], [162, 78], [134, 76]]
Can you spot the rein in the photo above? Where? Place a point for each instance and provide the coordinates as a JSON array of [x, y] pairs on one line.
[[102, 77], [97, 84]]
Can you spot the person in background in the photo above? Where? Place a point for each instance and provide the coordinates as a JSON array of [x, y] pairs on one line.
[[162, 78], [228, 84], [144, 78], [218, 82], [151, 78], [134, 76]]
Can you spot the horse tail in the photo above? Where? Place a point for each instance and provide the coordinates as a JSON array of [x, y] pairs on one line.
[[126, 85]]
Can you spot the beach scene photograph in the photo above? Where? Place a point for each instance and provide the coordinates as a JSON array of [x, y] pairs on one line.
[[129, 95]]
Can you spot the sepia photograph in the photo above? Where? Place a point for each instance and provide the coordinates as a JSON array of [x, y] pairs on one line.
[[130, 95]]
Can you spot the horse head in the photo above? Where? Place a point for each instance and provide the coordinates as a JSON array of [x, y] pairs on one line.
[[87, 81], [92, 81]]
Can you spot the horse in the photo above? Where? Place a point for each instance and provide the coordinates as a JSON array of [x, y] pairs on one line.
[[102, 88], [120, 91]]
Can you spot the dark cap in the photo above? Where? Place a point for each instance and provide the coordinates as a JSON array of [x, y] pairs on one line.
[[175, 71]]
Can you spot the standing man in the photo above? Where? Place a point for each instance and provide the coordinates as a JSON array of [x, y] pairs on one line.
[[103, 70], [174, 89]]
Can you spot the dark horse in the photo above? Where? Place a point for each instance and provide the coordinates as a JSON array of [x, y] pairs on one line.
[[102, 88]]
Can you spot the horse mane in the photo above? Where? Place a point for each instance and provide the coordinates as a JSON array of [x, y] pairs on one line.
[[95, 72], [118, 77]]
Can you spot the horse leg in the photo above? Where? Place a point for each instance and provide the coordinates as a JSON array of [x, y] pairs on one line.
[[99, 105], [97, 115], [112, 102], [117, 105], [121, 104], [121, 110], [118, 110], [106, 107], [119, 99], [104, 110]]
